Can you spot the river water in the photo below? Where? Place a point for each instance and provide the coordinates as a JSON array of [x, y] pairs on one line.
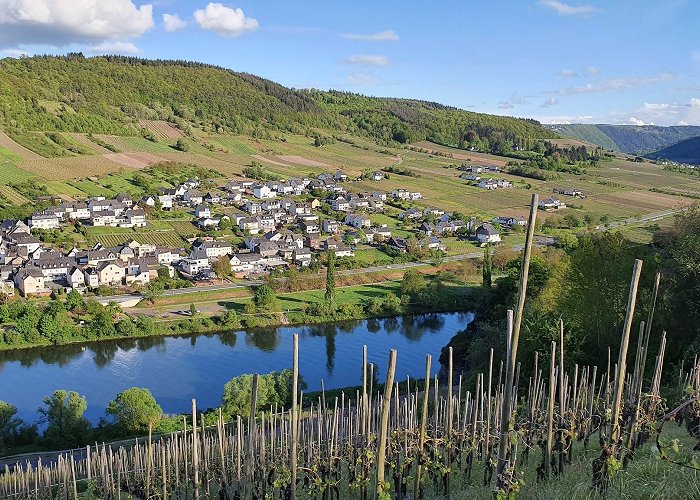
[[177, 369]]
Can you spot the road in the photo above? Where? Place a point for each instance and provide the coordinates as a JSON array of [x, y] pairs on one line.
[[645, 218], [408, 265]]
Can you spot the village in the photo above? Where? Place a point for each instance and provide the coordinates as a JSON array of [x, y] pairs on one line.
[[283, 223]]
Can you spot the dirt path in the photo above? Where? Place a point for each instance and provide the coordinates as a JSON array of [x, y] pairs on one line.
[[268, 160]]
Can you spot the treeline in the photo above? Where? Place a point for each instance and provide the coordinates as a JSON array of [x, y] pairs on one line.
[[131, 413], [587, 282], [109, 94]]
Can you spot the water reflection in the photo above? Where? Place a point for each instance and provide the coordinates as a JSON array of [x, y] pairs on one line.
[[177, 369]]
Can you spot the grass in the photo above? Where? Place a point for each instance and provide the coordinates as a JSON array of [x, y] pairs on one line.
[[11, 173], [646, 477]]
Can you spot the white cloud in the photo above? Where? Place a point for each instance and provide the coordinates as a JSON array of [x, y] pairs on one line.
[[683, 123], [172, 22], [651, 106], [224, 21], [382, 36], [636, 121], [115, 47], [615, 84], [362, 79], [592, 70], [567, 73], [552, 101], [61, 23], [16, 53], [694, 102], [564, 9], [564, 119], [511, 102], [367, 60]]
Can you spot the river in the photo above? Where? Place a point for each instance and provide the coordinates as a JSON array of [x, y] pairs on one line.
[[177, 369]]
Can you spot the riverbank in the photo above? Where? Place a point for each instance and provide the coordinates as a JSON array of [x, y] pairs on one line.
[[224, 314]]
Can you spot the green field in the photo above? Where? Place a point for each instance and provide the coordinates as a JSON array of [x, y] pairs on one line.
[[12, 195], [167, 239]]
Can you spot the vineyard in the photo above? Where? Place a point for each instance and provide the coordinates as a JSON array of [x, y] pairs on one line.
[[12, 195], [159, 238], [413, 440]]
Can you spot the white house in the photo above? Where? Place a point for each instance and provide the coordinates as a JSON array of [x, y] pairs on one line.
[[135, 217], [76, 278], [212, 249], [44, 221], [486, 233], [330, 226], [263, 191], [194, 265], [551, 204], [358, 220], [202, 211]]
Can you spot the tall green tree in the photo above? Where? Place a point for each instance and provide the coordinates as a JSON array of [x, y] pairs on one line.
[[8, 423], [63, 413], [134, 409], [265, 299], [330, 278]]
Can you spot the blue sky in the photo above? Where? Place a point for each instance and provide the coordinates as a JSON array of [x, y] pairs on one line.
[[578, 61]]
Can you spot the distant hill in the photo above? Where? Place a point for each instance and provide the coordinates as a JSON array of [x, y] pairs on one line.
[[687, 151], [630, 139], [110, 94]]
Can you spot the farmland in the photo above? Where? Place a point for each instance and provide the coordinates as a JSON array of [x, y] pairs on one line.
[[617, 189], [159, 238], [11, 195]]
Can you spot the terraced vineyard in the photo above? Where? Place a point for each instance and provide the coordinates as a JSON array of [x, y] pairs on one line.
[[160, 238], [12, 195]]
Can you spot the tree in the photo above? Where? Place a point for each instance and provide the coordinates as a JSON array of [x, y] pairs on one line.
[[222, 266], [487, 268], [63, 413], [8, 422], [265, 299], [413, 283], [134, 409], [230, 319], [154, 290], [181, 145], [275, 388], [193, 310], [74, 301], [330, 278]]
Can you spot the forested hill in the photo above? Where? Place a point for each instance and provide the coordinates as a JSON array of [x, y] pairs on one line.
[[110, 94], [687, 151], [629, 139]]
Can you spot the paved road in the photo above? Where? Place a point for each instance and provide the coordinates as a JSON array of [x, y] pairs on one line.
[[407, 265], [645, 218]]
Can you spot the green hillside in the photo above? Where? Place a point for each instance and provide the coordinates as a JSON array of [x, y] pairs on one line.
[[630, 139], [687, 151], [588, 133], [108, 95]]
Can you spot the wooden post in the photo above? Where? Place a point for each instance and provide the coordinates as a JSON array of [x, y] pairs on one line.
[[381, 487], [550, 412], [562, 397], [195, 459], [423, 423], [512, 354], [251, 437], [295, 417], [622, 357]]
